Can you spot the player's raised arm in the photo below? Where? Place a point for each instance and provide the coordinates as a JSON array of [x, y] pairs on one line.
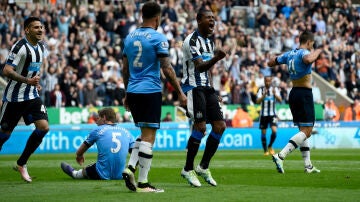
[[203, 66], [310, 58], [273, 61]]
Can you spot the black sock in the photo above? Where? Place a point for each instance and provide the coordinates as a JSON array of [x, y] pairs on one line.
[[192, 149], [272, 139], [210, 149], [263, 142], [31, 145], [3, 138]]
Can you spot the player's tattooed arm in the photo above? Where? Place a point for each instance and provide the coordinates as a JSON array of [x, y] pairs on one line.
[[13, 75], [169, 72]]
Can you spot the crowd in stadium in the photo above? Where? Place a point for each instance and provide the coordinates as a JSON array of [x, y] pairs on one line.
[[84, 65]]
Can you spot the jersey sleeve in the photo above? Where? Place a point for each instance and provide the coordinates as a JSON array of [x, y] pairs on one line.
[[15, 55], [194, 49], [304, 52], [92, 137], [131, 142], [162, 46], [282, 59]]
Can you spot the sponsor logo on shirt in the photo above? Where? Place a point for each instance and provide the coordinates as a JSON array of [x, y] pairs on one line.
[[12, 56], [34, 66]]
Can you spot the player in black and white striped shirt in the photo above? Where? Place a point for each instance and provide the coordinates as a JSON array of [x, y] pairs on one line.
[[267, 97], [202, 101], [21, 96]]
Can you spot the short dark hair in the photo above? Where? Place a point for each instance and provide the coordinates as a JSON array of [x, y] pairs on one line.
[[29, 20], [150, 9], [109, 113], [306, 36], [201, 12]]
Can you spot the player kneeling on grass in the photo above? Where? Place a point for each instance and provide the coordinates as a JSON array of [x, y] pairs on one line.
[[113, 144]]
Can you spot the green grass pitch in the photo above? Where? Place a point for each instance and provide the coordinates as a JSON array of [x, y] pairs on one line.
[[242, 175]]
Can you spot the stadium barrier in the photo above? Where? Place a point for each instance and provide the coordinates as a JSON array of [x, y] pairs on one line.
[[173, 136], [76, 115]]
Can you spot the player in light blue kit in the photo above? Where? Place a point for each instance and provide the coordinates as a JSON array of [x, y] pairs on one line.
[[299, 62], [146, 51], [113, 144]]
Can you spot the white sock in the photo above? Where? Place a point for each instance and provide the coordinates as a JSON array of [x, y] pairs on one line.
[[305, 153], [134, 157], [78, 174], [145, 159], [294, 142]]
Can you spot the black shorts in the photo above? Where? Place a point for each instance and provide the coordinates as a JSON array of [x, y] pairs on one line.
[[91, 172], [30, 110], [265, 121], [203, 105], [145, 109], [302, 106]]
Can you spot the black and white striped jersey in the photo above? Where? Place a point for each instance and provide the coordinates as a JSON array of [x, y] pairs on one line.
[[195, 46], [26, 60], [268, 104]]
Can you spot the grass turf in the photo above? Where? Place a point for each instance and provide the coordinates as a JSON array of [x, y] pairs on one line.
[[243, 175]]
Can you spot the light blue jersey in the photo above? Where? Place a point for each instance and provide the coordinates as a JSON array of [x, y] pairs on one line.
[[294, 60], [113, 143], [143, 47]]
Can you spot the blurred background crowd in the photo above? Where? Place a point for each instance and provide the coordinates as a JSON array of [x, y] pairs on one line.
[[85, 45]]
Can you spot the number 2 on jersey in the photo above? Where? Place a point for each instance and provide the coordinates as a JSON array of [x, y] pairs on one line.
[[137, 62]]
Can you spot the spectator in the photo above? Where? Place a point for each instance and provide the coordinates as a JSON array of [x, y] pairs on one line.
[[316, 94], [250, 14], [331, 111], [63, 23], [169, 11], [57, 97], [50, 79], [110, 88], [176, 56], [352, 112], [322, 65], [287, 9], [167, 118], [262, 17], [73, 99], [168, 100], [92, 118], [119, 93], [90, 96], [241, 119], [342, 90]]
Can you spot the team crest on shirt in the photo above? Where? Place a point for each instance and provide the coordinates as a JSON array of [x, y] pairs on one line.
[[12, 56], [164, 45], [193, 49], [199, 115]]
